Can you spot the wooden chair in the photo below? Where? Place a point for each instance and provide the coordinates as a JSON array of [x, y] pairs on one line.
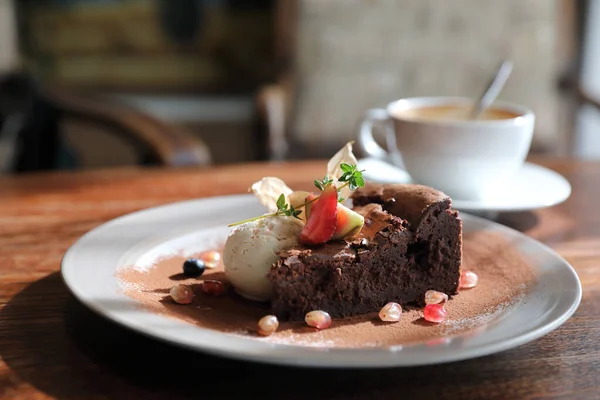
[[40, 146]]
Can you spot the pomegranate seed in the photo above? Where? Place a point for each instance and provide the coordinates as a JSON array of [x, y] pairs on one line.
[[267, 325], [211, 258], [318, 319], [435, 297], [468, 280], [214, 288], [434, 313], [181, 294], [391, 312]]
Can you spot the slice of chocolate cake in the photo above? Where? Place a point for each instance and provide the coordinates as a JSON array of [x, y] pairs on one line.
[[411, 242]]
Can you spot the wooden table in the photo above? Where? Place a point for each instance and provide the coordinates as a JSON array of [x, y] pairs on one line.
[[53, 347]]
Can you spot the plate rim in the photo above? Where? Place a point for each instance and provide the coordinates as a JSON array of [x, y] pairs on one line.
[[479, 206], [318, 362], [469, 205]]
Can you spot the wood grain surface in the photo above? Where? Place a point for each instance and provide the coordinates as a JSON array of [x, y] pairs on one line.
[[53, 347]]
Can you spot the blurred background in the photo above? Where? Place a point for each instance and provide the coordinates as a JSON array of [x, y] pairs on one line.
[[100, 83]]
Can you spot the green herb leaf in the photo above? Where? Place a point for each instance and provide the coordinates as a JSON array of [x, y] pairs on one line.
[[292, 212], [284, 209], [345, 177], [359, 180], [281, 202], [346, 167], [351, 176], [322, 184], [295, 213]]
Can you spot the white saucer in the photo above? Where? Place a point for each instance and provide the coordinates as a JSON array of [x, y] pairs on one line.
[[533, 187], [89, 266]]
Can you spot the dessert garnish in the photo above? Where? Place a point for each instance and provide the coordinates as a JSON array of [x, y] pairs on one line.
[[211, 258], [468, 280], [391, 312], [292, 218], [267, 325], [434, 313], [280, 200], [321, 223], [282, 209], [435, 297], [181, 294], [318, 319], [348, 223], [213, 287], [193, 267]]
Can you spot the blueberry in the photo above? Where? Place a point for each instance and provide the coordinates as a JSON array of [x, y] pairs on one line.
[[193, 267]]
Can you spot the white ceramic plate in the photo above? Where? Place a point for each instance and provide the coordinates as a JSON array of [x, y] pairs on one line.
[[533, 187], [89, 266]]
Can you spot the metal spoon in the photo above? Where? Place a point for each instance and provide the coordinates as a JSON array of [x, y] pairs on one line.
[[493, 89]]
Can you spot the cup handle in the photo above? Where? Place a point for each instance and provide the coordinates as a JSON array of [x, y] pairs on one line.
[[367, 142]]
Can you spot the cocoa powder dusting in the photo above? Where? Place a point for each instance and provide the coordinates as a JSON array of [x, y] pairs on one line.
[[503, 273]]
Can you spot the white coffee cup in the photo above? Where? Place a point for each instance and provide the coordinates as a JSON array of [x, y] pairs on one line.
[[465, 158]]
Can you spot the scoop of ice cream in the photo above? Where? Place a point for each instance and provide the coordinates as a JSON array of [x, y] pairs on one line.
[[250, 251]]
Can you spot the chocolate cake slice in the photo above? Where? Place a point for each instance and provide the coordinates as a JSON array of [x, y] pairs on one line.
[[411, 242]]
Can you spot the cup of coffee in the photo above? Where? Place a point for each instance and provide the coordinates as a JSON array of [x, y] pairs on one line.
[[438, 143]]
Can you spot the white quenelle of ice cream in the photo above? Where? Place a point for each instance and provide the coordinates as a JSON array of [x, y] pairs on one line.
[[250, 251]]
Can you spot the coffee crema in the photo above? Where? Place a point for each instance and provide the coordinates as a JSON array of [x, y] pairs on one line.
[[452, 113]]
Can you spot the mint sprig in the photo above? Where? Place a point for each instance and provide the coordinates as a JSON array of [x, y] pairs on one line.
[[352, 176]]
